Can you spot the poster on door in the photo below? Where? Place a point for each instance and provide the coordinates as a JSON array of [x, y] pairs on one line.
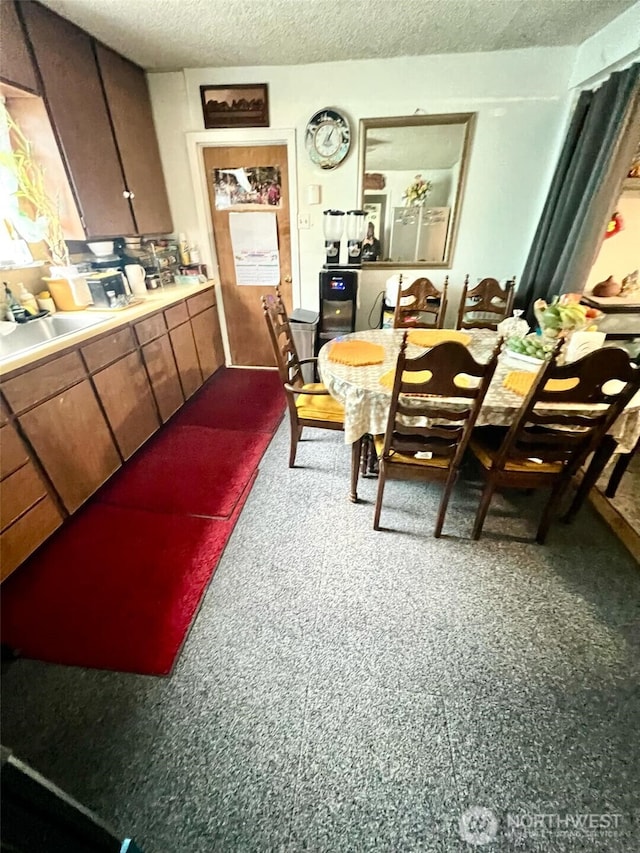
[[247, 187], [254, 242]]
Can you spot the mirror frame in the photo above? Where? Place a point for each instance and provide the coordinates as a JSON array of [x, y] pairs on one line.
[[467, 119]]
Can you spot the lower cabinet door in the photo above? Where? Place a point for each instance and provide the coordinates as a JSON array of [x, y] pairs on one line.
[[186, 355], [206, 332], [163, 373], [71, 438], [125, 394], [22, 538]]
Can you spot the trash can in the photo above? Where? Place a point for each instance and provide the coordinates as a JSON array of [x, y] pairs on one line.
[[304, 328]]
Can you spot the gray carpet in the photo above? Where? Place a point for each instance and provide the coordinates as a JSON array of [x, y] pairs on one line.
[[347, 690]]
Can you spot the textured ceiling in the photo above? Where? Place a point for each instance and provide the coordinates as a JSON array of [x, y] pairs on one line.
[[174, 34]]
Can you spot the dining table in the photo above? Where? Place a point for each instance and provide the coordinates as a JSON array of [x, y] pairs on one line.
[[366, 399]]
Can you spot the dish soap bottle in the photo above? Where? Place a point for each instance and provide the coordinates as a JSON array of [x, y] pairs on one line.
[[13, 306], [27, 300]]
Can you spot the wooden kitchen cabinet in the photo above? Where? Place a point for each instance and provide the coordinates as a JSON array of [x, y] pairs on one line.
[[126, 397], [16, 66], [77, 92], [71, 438], [28, 515], [186, 356], [206, 333], [163, 375], [125, 86]]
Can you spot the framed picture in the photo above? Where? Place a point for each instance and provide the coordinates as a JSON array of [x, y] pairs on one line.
[[235, 105]]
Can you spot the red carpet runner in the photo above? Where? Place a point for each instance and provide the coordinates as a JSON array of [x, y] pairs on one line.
[[119, 585]]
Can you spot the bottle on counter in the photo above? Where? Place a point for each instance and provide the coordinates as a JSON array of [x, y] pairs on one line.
[[27, 300], [183, 248], [13, 306]]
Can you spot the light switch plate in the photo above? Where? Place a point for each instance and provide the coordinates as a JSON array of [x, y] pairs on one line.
[[304, 220]]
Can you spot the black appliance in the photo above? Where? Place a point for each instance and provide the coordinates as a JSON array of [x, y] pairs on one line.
[[108, 289], [338, 292]]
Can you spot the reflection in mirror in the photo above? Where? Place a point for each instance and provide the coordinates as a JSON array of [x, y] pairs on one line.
[[412, 172]]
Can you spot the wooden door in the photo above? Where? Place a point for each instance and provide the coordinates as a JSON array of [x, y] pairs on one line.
[[248, 338], [125, 86], [78, 111]]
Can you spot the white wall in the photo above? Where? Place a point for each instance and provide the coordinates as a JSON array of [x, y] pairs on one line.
[[615, 47], [522, 99]]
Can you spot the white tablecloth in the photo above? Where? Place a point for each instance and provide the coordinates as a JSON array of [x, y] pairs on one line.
[[366, 401]]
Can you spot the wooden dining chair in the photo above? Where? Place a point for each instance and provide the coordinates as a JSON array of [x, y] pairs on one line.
[[544, 449], [486, 304], [443, 441], [421, 305], [309, 405]]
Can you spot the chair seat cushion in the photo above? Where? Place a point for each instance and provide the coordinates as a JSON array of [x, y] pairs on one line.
[[315, 407], [403, 459], [485, 444]]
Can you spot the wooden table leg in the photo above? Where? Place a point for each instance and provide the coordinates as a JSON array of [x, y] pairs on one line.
[[356, 450], [599, 459]]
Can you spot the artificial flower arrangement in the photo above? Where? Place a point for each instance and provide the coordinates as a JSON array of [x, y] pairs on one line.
[[417, 192]]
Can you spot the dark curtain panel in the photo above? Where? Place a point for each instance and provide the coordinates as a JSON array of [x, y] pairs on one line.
[[584, 186]]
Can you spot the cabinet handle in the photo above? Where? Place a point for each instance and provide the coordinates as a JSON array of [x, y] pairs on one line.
[[126, 194], [132, 195]]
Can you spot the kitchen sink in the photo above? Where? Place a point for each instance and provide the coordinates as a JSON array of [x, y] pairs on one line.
[[35, 333]]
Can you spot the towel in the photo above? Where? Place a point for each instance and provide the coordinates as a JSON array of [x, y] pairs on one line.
[[356, 353]]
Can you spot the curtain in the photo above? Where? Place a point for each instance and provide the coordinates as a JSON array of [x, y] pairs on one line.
[[596, 155]]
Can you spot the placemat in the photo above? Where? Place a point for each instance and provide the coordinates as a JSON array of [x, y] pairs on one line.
[[417, 377], [432, 337], [520, 381], [356, 353]]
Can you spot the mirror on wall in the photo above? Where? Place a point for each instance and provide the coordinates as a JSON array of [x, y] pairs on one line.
[[412, 173]]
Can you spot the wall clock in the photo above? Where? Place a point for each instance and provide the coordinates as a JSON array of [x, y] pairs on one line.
[[328, 138]]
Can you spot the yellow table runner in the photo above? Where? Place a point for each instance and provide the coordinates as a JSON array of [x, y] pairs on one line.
[[356, 353], [520, 381], [432, 337]]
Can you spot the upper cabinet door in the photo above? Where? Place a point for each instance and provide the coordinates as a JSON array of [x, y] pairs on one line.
[[16, 66], [125, 86], [76, 104]]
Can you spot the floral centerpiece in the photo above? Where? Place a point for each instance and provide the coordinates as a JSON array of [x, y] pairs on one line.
[[416, 193]]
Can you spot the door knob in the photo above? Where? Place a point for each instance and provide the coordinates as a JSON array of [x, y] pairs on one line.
[[287, 278]]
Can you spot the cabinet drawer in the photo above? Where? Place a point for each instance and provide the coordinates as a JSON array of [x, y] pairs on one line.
[[201, 302], [176, 314], [19, 492], [108, 349], [13, 453], [150, 329], [26, 390], [24, 535]]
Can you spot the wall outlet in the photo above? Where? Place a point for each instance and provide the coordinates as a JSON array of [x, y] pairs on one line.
[[304, 220]]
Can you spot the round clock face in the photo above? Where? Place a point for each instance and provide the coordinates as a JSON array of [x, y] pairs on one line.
[[328, 138]]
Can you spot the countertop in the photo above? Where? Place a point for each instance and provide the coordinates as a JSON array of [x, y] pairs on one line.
[[154, 301]]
